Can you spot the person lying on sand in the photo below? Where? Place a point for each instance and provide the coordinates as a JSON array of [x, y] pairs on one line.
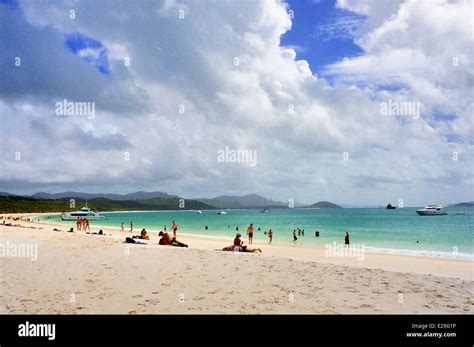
[[239, 246], [99, 233], [176, 243], [166, 241], [143, 235]]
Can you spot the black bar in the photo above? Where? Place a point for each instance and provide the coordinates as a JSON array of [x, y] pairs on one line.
[[240, 329]]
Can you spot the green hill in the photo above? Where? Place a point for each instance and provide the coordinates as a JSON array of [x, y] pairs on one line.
[[21, 204]]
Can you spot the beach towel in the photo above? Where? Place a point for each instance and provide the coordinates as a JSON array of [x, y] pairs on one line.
[[130, 240]]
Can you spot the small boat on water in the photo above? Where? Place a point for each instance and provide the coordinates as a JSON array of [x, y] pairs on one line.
[[198, 212], [390, 207], [84, 212], [221, 212], [265, 210], [432, 210]]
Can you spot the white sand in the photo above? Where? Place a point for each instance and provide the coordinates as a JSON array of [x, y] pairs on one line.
[[79, 273]]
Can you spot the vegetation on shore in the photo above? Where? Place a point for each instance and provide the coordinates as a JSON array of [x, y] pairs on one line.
[[21, 204]]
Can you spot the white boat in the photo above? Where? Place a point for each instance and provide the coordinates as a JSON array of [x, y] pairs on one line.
[[265, 210], [198, 212], [431, 210], [84, 212], [221, 212]]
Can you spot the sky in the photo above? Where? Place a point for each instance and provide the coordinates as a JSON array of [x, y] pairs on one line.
[[297, 90]]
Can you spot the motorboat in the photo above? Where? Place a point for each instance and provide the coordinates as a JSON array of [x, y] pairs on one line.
[[432, 210], [84, 212]]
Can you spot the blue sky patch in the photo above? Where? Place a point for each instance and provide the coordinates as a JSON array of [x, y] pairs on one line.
[[90, 50], [455, 138], [439, 116], [11, 4], [321, 33]]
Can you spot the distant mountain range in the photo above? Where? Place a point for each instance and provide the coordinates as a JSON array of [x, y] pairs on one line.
[[462, 204], [245, 201], [155, 200], [141, 195], [48, 202]]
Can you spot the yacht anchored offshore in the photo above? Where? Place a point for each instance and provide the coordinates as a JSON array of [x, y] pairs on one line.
[[84, 212], [431, 210]]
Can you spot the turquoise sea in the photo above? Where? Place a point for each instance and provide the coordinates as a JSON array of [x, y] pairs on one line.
[[377, 229]]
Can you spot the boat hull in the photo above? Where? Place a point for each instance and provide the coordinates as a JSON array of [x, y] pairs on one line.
[[88, 217], [431, 213]]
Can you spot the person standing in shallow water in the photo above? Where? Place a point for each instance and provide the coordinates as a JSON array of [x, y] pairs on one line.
[[122, 228], [131, 226], [250, 233], [346, 240], [294, 236], [270, 236], [174, 228]]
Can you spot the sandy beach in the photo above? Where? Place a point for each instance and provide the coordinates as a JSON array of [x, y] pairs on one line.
[[85, 274]]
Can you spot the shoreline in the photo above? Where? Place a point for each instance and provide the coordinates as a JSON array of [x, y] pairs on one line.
[[406, 263], [432, 254]]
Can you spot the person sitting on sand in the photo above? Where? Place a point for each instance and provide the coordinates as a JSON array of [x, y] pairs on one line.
[[237, 241], [165, 239], [144, 235], [238, 246]]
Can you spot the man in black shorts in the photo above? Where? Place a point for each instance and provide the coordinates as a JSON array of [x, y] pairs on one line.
[[250, 233]]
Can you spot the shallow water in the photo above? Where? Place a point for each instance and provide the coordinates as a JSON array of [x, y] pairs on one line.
[[377, 229]]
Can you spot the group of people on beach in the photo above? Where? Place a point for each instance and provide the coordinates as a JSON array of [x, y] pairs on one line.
[[165, 238], [238, 246], [82, 224], [10, 218]]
